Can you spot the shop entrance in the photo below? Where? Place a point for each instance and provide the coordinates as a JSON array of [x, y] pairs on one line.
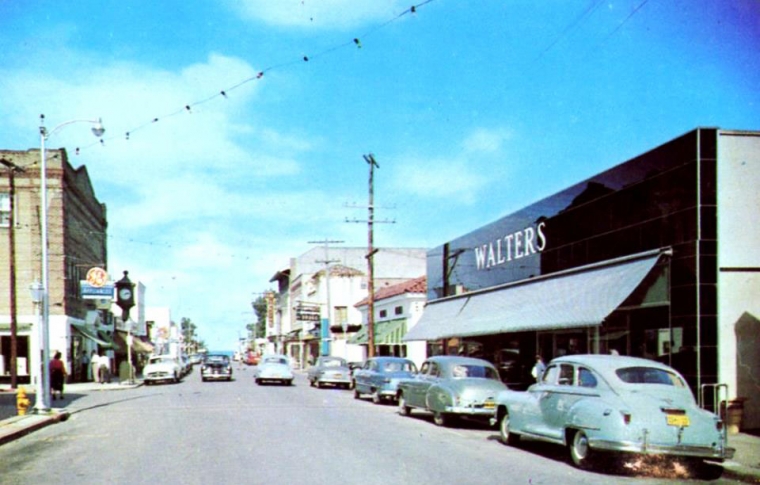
[[22, 361]]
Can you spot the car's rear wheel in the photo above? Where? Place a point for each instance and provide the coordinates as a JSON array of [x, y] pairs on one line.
[[580, 451], [507, 437], [357, 394], [403, 409]]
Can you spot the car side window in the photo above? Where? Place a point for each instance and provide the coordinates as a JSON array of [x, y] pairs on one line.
[[586, 378], [566, 373], [435, 371], [550, 375], [425, 368]]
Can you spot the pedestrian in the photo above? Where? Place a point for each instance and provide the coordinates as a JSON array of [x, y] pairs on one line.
[[57, 375], [95, 366], [105, 363], [538, 368]]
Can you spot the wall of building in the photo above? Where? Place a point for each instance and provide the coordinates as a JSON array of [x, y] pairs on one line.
[[739, 266]]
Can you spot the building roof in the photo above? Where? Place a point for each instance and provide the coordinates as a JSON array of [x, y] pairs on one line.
[[417, 285]]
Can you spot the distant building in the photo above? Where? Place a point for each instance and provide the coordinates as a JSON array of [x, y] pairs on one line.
[[397, 309], [77, 228], [302, 294]]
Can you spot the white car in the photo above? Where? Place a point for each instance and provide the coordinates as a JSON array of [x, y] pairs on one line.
[[162, 368], [274, 368]]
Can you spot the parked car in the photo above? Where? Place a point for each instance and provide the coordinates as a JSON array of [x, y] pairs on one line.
[[592, 403], [252, 358], [274, 368], [330, 370], [450, 387], [185, 365], [379, 377], [161, 368], [216, 367]]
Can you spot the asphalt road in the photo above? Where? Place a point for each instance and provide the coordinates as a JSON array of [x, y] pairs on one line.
[[238, 432]]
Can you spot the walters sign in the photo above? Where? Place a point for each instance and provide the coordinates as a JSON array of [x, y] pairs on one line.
[[517, 245]]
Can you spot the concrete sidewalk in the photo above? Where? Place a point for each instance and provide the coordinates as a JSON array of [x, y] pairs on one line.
[[744, 466]]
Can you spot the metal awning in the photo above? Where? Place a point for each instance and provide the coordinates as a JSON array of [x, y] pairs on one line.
[[389, 332], [580, 297], [92, 334]]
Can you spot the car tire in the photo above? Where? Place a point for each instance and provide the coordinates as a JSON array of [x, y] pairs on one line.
[[176, 379], [441, 419], [357, 394], [376, 397], [507, 437], [203, 379], [580, 451], [403, 409]]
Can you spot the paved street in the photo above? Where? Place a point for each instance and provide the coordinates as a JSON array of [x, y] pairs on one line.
[[220, 432]]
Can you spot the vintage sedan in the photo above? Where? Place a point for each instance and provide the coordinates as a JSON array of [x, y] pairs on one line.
[[451, 387], [216, 367], [162, 368], [593, 403], [379, 377], [273, 368], [330, 370]]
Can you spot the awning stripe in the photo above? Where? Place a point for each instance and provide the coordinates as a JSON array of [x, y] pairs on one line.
[[576, 299]]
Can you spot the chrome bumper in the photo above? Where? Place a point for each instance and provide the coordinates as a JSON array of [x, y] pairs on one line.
[[715, 453]]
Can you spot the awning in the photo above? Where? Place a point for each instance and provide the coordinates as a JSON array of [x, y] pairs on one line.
[[138, 345], [389, 332], [92, 334], [580, 297]]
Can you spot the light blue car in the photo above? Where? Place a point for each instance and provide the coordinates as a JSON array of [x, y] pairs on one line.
[[274, 368], [594, 403], [379, 377], [452, 387]]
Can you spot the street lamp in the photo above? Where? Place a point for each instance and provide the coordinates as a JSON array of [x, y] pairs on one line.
[[38, 296], [43, 398]]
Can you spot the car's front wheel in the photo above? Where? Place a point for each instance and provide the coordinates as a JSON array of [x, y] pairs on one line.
[[507, 437], [403, 409], [376, 398], [580, 451], [441, 419]]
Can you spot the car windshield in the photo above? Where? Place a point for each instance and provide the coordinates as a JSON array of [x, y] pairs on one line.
[[649, 375], [159, 360], [275, 360], [332, 363], [217, 359], [476, 371]]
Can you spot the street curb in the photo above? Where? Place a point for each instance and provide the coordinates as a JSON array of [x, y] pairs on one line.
[[13, 428], [736, 471]]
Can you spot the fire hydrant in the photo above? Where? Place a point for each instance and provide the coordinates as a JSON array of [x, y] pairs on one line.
[[22, 402]]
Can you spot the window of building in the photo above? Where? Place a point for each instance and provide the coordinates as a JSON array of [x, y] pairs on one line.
[[383, 313], [399, 310], [5, 210], [341, 315]]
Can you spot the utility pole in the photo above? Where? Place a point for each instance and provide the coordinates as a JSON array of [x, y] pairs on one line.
[[371, 251], [12, 169], [324, 331]]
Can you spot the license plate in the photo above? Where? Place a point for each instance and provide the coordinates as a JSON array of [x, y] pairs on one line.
[[338, 376], [678, 420]]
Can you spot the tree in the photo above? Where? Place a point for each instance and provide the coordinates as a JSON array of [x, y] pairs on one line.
[[258, 329], [189, 337]]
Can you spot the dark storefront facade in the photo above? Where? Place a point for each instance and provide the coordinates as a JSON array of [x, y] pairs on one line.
[[625, 262]]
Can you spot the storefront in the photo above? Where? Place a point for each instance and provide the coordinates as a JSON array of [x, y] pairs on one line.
[[628, 261]]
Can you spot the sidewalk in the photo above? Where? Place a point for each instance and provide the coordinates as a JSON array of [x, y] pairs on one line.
[[744, 466]]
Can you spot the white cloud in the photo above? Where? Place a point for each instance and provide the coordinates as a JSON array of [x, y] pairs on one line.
[[321, 14], [481, 161]]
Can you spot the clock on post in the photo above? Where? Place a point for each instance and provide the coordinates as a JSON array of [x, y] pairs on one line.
[[125, 295]]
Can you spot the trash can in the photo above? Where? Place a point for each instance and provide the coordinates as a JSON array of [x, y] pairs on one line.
[[734, 415]]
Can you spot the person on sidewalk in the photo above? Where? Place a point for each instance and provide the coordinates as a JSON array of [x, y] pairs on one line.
[[57, 375], [95, 366]]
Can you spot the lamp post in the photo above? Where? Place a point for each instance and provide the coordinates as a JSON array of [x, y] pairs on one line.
[[43, 398], [38, 296]]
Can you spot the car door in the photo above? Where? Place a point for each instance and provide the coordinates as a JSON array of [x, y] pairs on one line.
[[560, 395], [421, 383], [363, 376]]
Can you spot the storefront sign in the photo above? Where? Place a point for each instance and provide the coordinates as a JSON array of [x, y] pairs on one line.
[[520, 244]]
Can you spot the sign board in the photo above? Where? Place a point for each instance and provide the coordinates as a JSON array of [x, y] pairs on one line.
[[89, 292]]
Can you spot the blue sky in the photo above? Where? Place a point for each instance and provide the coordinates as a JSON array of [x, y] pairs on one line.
[[472, 109]]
